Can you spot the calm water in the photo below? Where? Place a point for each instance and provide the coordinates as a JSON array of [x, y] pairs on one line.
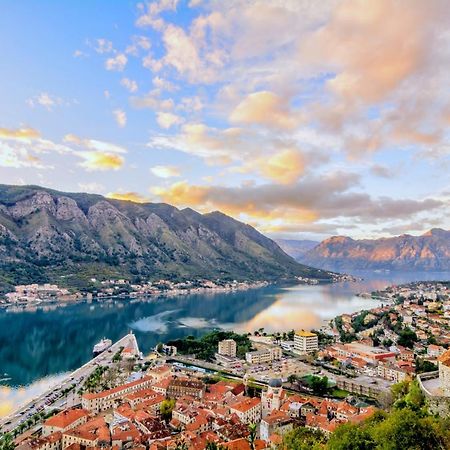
[[36, 347]]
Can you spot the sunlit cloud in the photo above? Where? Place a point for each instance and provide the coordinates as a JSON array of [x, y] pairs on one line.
[[100, 161], [165, 171], [264, 108], [166, 120], [127, 196], [19, 133]]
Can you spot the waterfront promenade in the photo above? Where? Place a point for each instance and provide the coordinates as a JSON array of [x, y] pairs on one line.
[[55, 398]]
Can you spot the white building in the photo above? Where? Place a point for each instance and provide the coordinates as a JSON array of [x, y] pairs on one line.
[[227, 347], [305, 342], [248, 410], [264, 356]]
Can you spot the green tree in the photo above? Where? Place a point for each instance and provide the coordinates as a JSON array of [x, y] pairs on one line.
[[407, 337], [301, 438], [319, 385], [292, 378], [252, 435], [167, 408], [351, 437], [6, 442]]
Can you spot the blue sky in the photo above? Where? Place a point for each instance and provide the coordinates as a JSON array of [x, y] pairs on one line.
[[305, 119]]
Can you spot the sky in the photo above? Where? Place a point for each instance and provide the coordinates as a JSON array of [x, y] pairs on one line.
[[303, 118]]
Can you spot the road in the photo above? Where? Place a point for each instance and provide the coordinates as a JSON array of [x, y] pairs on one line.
[[54, 398]]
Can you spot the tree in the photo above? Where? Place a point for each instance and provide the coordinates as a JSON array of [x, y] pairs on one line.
[[319, 385], [167, 408], [6, 442], [252, 435], [407, 337], [292, 378], [399, 390], [351, 437], [302, 438]]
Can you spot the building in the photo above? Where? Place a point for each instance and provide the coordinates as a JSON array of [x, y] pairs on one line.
[[444, 372], [227, 347], [264, 356], [288, 345], [179, 387], [65, 420], [101, 401], [393, 372], [305, 342], [277, 422], [248, 410], [272, 398]]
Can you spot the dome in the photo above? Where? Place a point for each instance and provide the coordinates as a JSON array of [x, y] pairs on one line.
[[275, 383]]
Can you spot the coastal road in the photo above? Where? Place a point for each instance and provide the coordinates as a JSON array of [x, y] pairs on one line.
[[54, 398]]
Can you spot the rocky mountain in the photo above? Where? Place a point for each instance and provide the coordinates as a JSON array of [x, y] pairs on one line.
[[430, 251], [296, 248], [69, 238]]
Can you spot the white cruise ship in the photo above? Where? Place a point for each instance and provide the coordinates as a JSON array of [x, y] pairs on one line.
[[101, 346]]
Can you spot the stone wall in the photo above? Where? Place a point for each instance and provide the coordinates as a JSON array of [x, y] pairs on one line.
[[437, 404]]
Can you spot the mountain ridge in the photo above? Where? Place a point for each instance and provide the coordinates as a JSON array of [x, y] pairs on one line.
[[428, 251], [48, 235]]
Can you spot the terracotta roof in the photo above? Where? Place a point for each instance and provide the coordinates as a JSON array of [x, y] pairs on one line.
[[120, 388], [243, 444], [246, 404], [65, 418], [445, 358]]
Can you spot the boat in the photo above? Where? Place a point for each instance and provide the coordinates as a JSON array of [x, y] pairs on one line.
[[101, 346]]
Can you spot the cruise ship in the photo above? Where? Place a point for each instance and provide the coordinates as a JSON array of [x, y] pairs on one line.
[[101, 346]]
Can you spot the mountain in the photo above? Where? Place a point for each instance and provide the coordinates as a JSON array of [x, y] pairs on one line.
[[430, 251], [68, 238], [296, 248]]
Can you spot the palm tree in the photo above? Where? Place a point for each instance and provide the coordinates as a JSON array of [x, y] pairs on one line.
[[6, 442], [252, 436]]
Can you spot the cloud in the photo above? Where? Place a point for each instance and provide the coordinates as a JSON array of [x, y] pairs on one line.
[[264, 108], [103, 46], [93, 144], [46, 100], [97, 155], [165, 171], [94, 160], [150, 15], [91, 187], [214, 145], [166, 120], [120, 117], [129, 84], [116, 63], [311, 200], [23, 147], [127, 196], [284, 167], [19, 157], [19, 133], [163, 84], [367, 46], [382, 171], [152, 100], [138, 43]]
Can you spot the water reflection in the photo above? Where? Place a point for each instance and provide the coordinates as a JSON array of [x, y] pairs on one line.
[[40, 343]]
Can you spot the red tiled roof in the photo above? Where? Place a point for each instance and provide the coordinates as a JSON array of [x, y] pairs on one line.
[[65, 418]]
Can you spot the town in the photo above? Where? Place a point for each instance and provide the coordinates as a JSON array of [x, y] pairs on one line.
[[249, 391], [34, 294]]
